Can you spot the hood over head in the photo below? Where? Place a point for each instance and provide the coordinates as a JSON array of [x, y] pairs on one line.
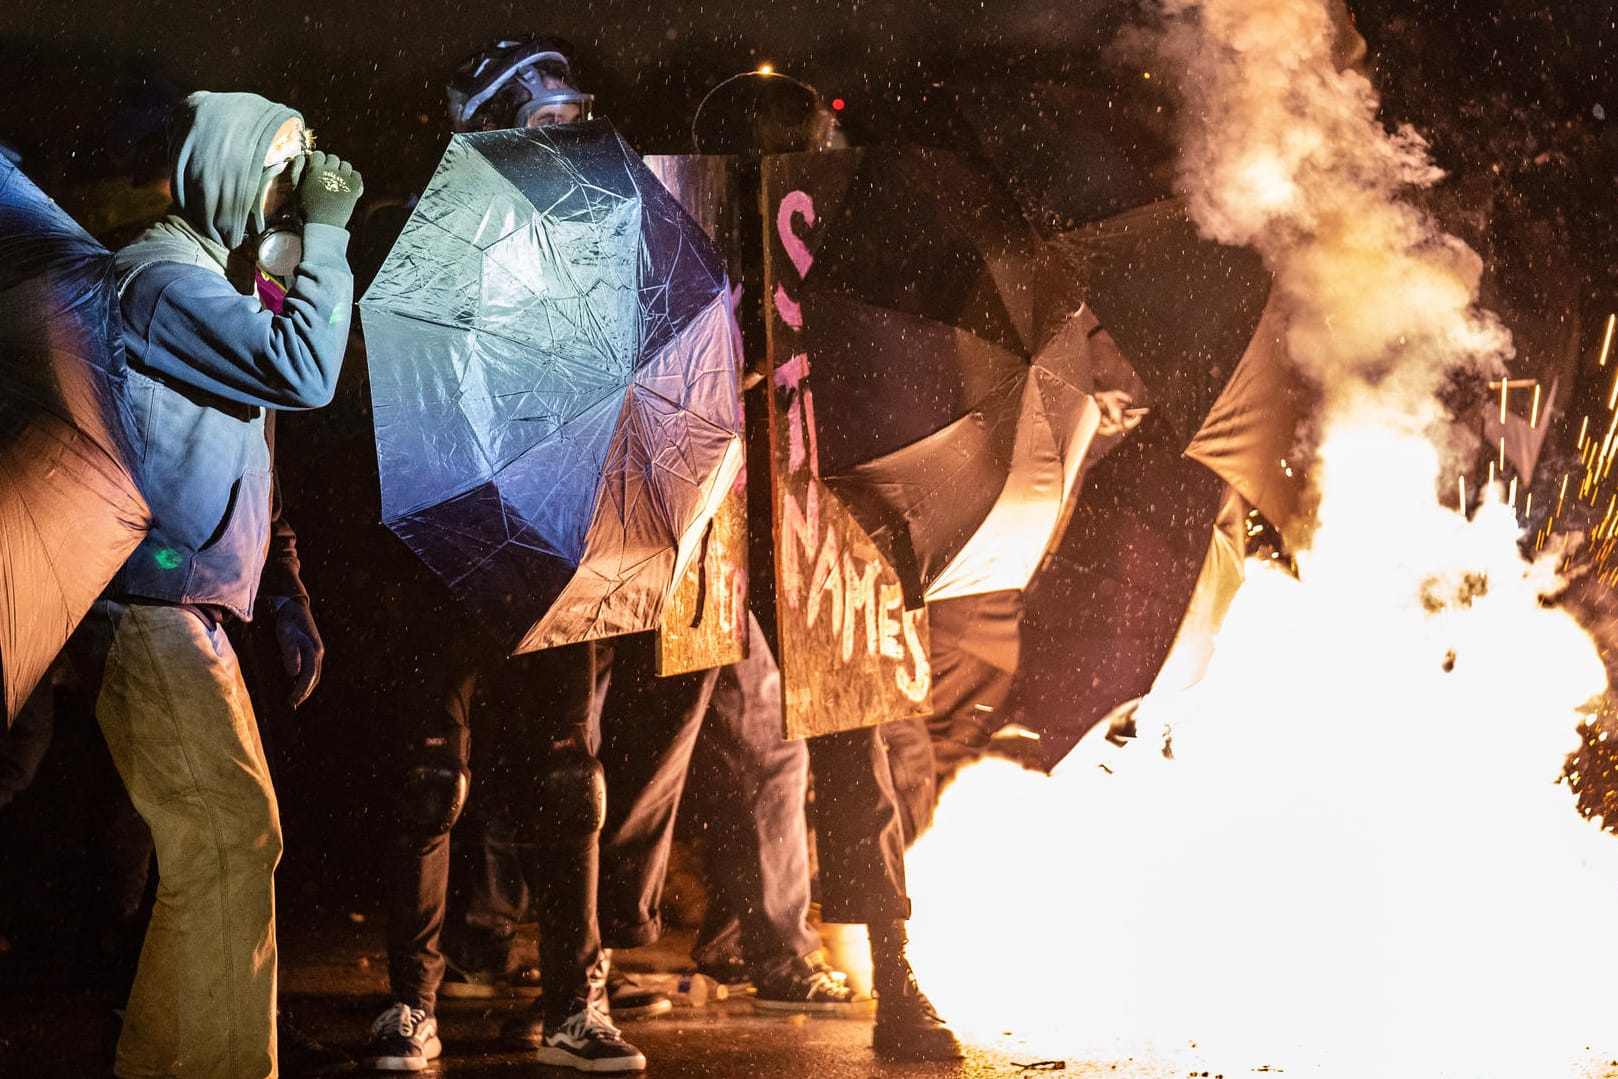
[[217, 145]]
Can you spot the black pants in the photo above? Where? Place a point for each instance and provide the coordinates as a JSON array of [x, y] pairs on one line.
[[859, 826], [508, 718], [524, 710]]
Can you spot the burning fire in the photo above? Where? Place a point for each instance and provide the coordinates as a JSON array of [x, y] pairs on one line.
[[1344, 852], [1357, 862]]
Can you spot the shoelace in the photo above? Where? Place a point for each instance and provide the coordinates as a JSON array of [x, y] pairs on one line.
[[822, 985], [401, 1019], [592, 1022]]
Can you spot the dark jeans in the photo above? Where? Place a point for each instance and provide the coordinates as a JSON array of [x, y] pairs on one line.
[[750, 790], [649, 728]]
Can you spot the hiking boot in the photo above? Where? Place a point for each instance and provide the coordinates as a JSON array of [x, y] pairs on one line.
[[403, 1039], [627, 1000], [909, 1029], [461, 984], [807, 985], [302, 1057], [588, 1042]]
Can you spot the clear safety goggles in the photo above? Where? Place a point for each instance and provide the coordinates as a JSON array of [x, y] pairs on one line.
[[556, 108]]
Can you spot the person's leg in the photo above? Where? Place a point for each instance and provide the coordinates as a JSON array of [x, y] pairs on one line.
[[973, 647], [182, 733], [759, 785], [648, 730], [860, 843], [432, 788], [548, 783], [910, 762], [565, 793], [489, 894], [858, 832]]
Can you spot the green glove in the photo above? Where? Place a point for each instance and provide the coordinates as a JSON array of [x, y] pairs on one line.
[[329, 189]]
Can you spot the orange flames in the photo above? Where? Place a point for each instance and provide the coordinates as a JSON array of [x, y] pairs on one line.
[[1345, 851], [1357, 862]]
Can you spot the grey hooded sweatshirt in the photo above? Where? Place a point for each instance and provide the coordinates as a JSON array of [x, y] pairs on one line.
[[207, 361]]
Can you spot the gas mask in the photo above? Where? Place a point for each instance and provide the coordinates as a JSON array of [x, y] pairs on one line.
[[278, 247]]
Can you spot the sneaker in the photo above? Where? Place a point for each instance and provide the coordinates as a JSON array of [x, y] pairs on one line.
[[302, 1057], [587, 1041], [909, 1029], [460, 983], [403, 1039], [627, 1000], [807, 985]]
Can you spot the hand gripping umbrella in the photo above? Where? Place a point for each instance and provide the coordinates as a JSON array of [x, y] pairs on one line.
[[70, 513], [952, 373], [553, 382]]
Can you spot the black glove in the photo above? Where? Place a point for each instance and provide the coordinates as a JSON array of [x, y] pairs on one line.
[[302, 651], [328, 190]]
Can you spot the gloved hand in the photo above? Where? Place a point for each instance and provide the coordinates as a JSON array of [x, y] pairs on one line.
[[301, 648], [1116, 415], [328, 190]]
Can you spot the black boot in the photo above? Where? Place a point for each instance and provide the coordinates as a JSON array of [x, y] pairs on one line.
[[907, 1027]]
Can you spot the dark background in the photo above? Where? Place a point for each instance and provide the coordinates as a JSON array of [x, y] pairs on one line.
[[1513, 95]]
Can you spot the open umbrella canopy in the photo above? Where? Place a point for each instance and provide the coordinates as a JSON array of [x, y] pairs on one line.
[[553, 377], [70, 513], [1153, 537], [952, 372]]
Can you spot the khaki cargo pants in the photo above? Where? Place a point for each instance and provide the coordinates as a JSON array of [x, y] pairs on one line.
[[182, 733]]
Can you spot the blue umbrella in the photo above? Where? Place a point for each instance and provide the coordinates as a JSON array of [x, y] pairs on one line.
[[553, 368], [70, 513]]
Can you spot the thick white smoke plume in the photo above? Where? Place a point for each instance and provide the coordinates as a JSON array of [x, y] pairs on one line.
[[1357, 861], [1282, 151]]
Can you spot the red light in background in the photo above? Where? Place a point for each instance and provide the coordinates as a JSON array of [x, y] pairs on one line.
[[838, 104]]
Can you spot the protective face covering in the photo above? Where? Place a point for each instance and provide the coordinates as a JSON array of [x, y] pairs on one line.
[[279, 245], [555, 107]]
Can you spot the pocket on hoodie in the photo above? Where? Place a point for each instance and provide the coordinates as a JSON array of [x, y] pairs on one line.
[[247, 511]]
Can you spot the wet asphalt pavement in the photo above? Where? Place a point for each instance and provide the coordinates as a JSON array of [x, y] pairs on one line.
[[333, 984]]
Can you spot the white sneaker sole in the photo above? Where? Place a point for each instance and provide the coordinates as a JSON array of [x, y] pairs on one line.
[[809, 1007], [562, 1058], [644, 1011], [429, 1053]]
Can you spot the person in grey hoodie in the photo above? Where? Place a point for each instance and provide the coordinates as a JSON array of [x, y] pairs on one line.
[[210, 358]]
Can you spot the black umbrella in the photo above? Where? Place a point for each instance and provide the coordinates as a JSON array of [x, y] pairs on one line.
[[1191, 317], [70, 513], [553, 374], [952, 372]]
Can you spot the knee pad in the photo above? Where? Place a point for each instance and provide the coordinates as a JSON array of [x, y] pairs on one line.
[[572, 794], [432, 795]]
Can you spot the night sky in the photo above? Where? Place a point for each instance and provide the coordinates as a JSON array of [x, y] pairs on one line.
[[370, 74]]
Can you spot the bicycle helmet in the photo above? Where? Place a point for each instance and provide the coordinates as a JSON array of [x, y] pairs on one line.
[[505, 84]]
